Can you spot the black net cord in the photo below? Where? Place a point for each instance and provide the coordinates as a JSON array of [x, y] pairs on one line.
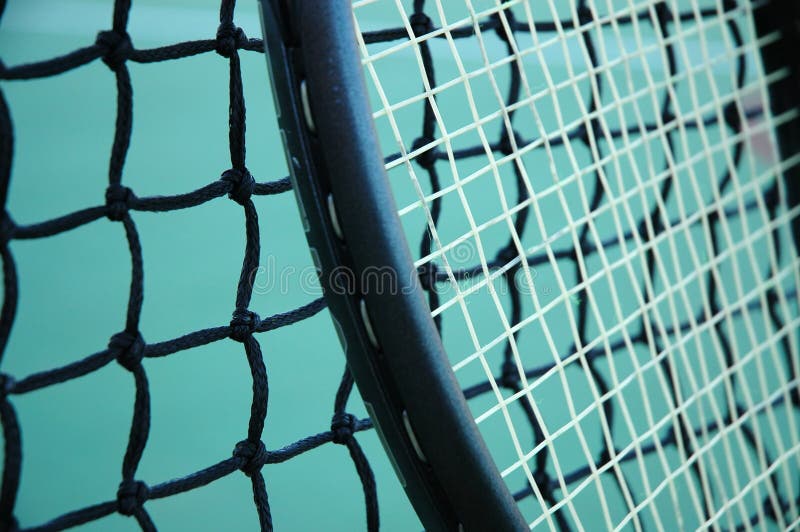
[[115, 48]]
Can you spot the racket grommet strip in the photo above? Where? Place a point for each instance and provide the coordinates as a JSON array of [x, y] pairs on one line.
[[413, 437], [334, 217], [309, 118], [362, 307]]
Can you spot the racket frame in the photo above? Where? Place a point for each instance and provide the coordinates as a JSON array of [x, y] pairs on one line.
[[392, 346], [784, 17]]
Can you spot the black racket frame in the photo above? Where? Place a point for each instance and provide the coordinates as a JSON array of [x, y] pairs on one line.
[[392, 346]]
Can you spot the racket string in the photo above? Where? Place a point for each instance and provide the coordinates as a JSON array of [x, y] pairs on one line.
[[654, 332]]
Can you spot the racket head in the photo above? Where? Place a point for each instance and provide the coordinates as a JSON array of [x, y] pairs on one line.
[[392, 346]]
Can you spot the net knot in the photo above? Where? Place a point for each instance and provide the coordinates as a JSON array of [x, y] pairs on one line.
[[506, 147], [542, 480], [500, 30], [244, 324], [427, 158], [421, 24], [509, 376], [670, 437], [585, 15], [229, 39], [506, 255], [252, 454], [663, 13], [428, 273], [118, 199], [641, 228], [7, 383], [770, 510], [116, 47], [128, 348], [343, 426], [242, 184], [7, 227], [604, 458], [772, 196], [131, 495], [593, 127], [732, 117]]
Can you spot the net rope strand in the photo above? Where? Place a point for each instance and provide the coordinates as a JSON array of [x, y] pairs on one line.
[[128, 348], [427, 150], [422, 154]]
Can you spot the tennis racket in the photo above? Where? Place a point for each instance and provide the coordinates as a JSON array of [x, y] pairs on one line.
[[559, 243]]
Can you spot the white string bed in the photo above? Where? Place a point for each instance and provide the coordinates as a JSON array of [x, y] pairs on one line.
[[606, 247]]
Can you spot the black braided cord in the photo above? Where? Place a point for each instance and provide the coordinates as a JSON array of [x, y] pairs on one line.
[[128, 347]]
